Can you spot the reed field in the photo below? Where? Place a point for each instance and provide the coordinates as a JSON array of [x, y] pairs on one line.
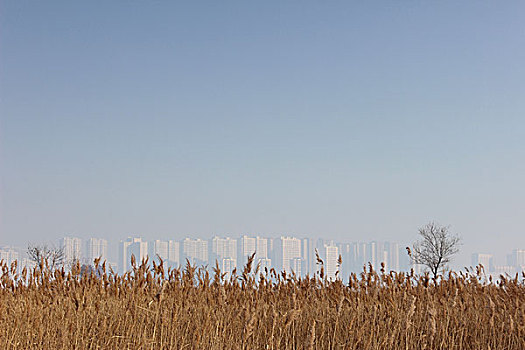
[[155, 308]]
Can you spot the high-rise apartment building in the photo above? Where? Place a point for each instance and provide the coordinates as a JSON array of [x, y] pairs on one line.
[[224, 252], [224, 247], [372, 253], [363, 256], [308, 255], [72, 247], [518, 257], [350, 254], [173, 253], [345, 250], [259, 246], [158, 248], [296, 266], [262, 248], [487, 260], [195, 250], [139, 249], [9, 254], [392, 249], [131, 246], [168, 251], [123, 254], [247, 247], [265, 264], [288, 254], [331, 260], [357, 255], [503, 270], [96, 248]]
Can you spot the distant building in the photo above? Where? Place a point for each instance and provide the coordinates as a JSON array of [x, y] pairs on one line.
[[331, 261], [195, 250], [173, 253], [139, 249], [131, 246], [265, 264], [372, 253], [247, 246], [259, 246], [308, 255], [392, 249], [158, 248], [96, 248], [504, 270], [487, 260], [363, 257], [404, 259], [168, 251], [288, 255], [517, 259], [224, 252], [356, 255], [9, 255], [296, 266], [72, 247]]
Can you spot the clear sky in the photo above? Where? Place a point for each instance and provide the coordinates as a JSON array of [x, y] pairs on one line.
[[350, 120]]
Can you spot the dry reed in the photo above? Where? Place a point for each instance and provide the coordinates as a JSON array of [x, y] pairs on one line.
[[150, 308]]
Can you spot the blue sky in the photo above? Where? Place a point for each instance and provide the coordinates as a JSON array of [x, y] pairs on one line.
[[346, 120]]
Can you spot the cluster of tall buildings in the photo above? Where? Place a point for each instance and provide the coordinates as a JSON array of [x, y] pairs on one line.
[[290, 254], [9, 254], [301, 256], [84, 251], [515, 263]]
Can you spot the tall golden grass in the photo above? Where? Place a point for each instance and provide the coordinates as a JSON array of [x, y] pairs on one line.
[[154, 308]]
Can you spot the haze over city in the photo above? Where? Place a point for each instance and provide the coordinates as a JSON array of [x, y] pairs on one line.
[[348, 121]]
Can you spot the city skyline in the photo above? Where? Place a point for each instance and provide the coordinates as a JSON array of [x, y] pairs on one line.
[[283, 253], [461, 260], [347, 121], [375, 147]]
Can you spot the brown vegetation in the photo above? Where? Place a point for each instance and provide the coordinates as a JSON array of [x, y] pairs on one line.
[[150, 308]]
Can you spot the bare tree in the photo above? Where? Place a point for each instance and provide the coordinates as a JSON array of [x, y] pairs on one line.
[[54, 256], [436, 247]]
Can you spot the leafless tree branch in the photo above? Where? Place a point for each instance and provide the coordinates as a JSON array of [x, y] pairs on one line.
[[435, 248], [46, 254]]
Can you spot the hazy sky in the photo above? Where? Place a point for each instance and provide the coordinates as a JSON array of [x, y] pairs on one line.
[[350, 120]]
